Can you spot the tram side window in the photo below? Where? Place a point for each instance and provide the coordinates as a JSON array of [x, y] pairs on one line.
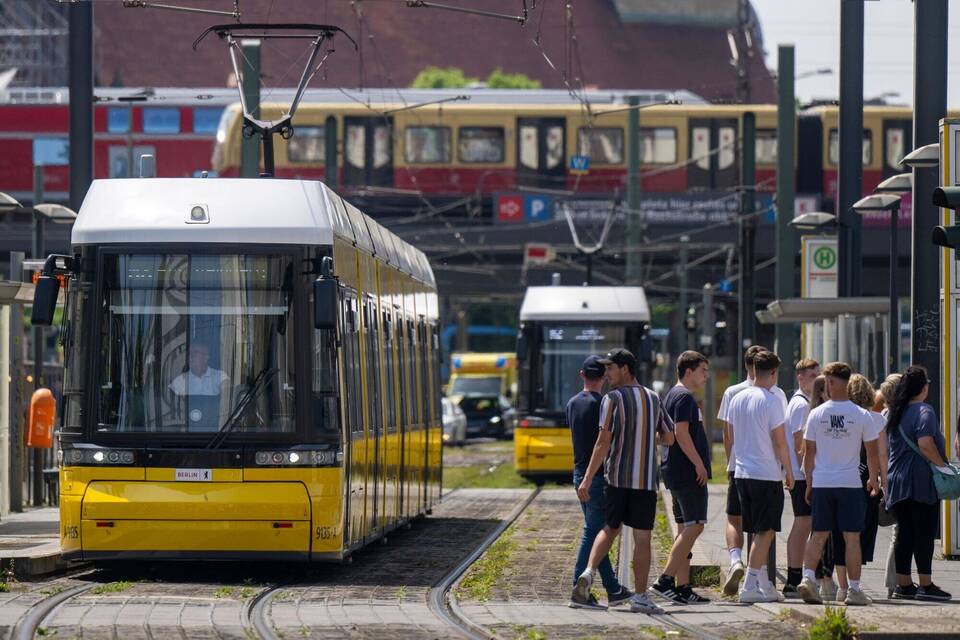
[[308, 144], [206, 120], [833, 147], [389, 372], [602, 145], [481, 145], [118, 120], [325, 410], [658, 145], [895, 146], [78, 295], [766, 146], [351, 357], [409, 396], [373, 366], [427, 145]]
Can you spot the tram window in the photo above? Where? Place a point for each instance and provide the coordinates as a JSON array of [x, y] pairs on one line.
[[603, 146], [161, 120], [727, 148], [74, 381], [118, 120], [382, 141], [480, 144], [186, 338], [325, 409], [555, 150], [207, 119], [766, 146], [563, 346], [895, 146], [389, 372], [833, 147], [659, 145], [308, 144], [425, 145], [355, 144], [529, 147], [351, 347]]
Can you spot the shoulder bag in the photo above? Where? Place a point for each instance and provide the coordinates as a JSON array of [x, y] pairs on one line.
[[947, 485]]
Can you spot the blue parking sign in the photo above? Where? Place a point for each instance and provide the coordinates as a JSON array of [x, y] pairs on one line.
[[537, 208]]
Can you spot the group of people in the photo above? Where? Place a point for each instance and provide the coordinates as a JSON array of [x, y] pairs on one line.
[[848, 455]]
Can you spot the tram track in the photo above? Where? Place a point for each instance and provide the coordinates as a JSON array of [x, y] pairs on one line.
[[26, 628]]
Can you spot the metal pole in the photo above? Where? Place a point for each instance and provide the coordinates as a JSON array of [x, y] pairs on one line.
[[707, 328], [250, 82], [37, 253], [850, 172], [893, 359], [683, 339], [330, 152], [81, 101], [929, 106], [634, 224], [589, 269], [15, 407], [785, 334], [746, 307]]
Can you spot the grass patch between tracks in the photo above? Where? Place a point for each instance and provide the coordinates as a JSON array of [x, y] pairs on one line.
[[488, 570], [501, 476], [111, 587], [718, 464], [833, 625]]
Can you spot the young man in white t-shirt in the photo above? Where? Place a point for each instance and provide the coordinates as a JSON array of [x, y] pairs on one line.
[[734, 529], [756, 416], [807, 371], [831, 463]]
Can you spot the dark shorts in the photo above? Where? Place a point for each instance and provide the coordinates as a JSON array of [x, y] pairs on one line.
[[733, 498], [690, 505], [762, 504], [840, 508], [635, 508], [798, 497]]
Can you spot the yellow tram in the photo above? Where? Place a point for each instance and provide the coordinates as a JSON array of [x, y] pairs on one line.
[[252, 373]]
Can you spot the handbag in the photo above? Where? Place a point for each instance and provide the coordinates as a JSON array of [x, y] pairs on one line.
[[947, 484], [886, 518]]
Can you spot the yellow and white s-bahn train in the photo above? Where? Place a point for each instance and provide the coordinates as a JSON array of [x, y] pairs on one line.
[[251, 373]]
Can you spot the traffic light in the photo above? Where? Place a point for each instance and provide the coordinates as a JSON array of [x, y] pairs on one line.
[[947, 236]]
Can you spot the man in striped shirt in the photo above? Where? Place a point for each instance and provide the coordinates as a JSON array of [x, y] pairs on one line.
[[632, 421]]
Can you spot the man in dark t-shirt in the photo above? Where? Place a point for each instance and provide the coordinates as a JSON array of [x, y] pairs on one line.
[[686, 470], [583, 418]]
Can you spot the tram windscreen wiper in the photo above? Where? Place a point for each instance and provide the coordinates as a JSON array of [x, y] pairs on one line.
[[259, 383]]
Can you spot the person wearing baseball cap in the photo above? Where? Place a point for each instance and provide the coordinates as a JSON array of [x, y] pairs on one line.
[[583, 418]]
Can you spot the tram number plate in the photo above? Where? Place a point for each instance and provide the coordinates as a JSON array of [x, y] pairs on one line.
[[193, 475]]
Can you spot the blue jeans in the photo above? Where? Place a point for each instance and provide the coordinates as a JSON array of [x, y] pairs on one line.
[[593, 522]]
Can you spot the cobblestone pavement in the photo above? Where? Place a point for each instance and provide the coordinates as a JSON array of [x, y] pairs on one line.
[[530, 597], [382, 593]]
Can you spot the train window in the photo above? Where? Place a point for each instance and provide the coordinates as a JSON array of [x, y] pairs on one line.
[[423, 145], [603, 146], [766, 146], [834, 147], [161, 120], [118, 120], [895, 146], [529, 147], [554, 146], [700, 147], [381, 146], [481, 144], [727, 148], [659, 145], [308, 144], [206, 119], [51, 150], [355, 145]]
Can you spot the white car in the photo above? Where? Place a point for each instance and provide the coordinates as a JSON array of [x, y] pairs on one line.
[[454, 423]]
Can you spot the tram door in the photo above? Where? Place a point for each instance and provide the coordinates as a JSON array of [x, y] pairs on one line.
[[374, 418], [353, 401], [540, 152], [897, 142], [368, 151], [713, 154]]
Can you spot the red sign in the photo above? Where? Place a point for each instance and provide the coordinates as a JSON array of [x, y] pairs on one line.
[[510, 208]]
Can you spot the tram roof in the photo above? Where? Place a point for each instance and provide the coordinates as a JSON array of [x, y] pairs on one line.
[[575, 304], [254, 211]]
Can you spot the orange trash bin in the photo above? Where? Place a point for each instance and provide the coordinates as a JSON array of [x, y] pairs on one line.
[[43, 413]]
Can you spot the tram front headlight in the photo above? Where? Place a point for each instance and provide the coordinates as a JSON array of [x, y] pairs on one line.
[[126, 457], [75, 456], [325, 457], [294, 457], [277, 457], [99, 456], [262, 457], [113, 456]]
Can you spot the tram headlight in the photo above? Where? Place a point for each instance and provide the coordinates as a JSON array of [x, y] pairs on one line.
[[113, 456], [294, 457], [278, 457], [262, 457], [98, 456], [126, 457], [75, 456]]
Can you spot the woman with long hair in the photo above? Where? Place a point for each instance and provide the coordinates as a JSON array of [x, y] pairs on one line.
[[911, 494]]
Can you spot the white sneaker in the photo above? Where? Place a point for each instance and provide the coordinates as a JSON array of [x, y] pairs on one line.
[[828, 590], [641, 603], [733, 578], [771, 594], [809, 592], [857, 598], [841, 595], [581, 591], [753, 595]]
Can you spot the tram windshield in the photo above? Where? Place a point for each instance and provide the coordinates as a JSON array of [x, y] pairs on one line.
[[565, 347], [193, 343]]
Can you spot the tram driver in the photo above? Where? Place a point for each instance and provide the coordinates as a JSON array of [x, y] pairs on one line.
[[205, 388]]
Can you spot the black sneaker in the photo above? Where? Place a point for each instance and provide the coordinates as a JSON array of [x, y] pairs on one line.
[[591, 603], [932, 592], [908, 592], [667, 591], [619, 597], [690, 596], [790, 591]]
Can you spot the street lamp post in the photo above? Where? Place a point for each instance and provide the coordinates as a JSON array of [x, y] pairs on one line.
[[888, 201]]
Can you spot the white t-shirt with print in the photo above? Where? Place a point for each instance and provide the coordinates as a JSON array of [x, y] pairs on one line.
[[754, 414], [723, 413], [838, 429], [796, 415]]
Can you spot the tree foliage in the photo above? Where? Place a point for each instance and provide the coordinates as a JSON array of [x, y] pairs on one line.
[[453, 78], [499, 79]]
